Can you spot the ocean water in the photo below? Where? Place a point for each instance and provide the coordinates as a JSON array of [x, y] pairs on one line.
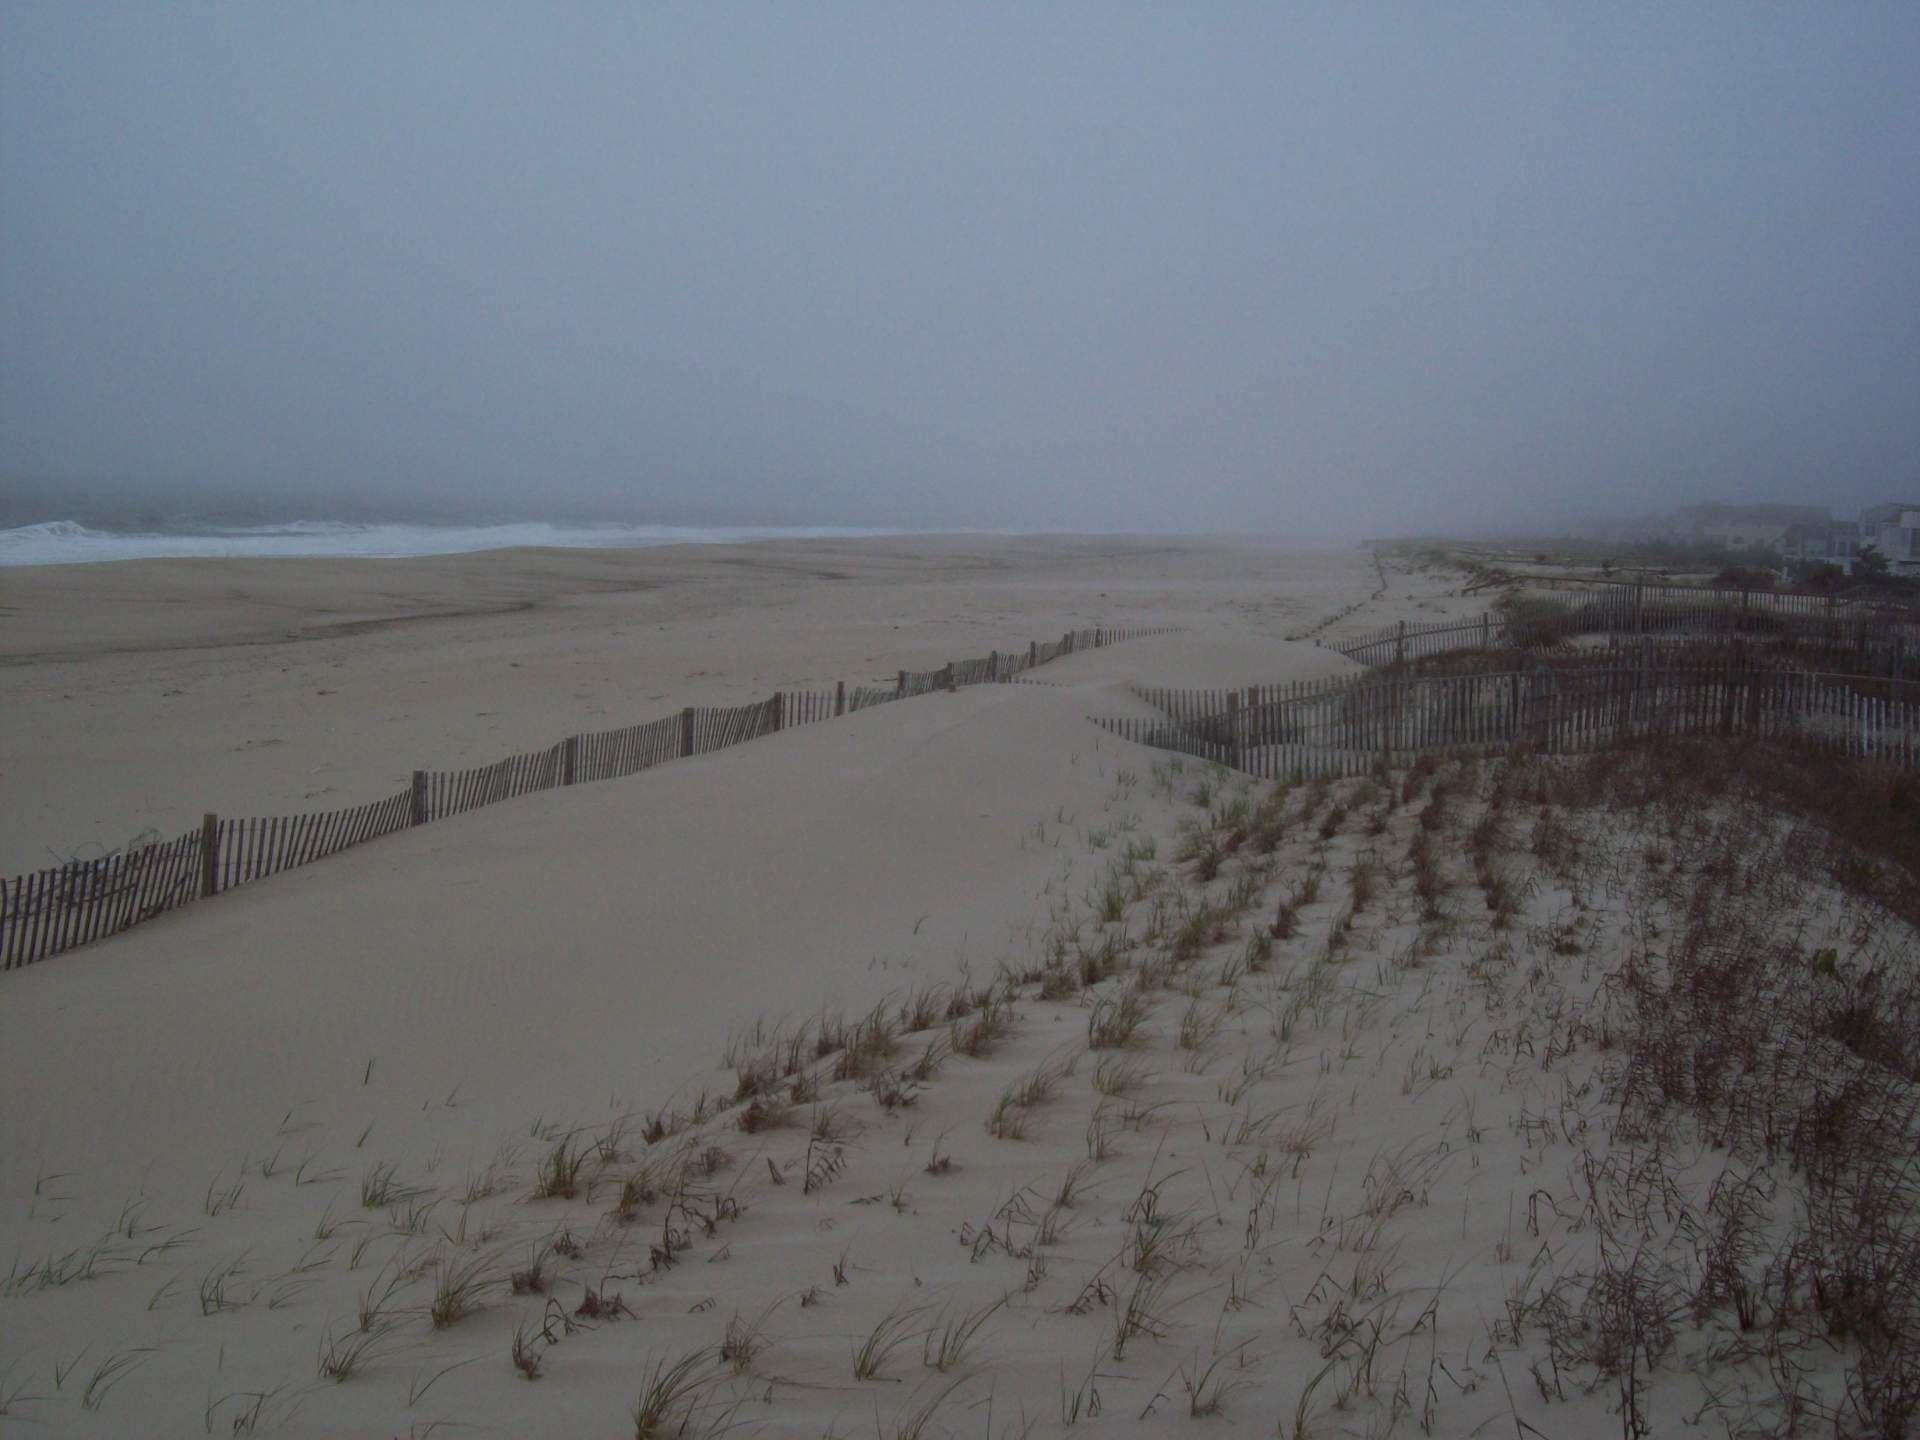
[[65, 542]]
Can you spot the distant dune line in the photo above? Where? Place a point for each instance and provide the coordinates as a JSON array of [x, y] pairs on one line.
[[1877, 635]]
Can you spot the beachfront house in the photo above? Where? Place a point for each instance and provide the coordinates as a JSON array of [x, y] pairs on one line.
[[1743, 527], [1893, 530], [1836, 542]]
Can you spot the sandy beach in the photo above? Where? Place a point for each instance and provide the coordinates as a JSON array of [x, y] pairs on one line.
[[139, 695], [889, 723], [950, 1068]]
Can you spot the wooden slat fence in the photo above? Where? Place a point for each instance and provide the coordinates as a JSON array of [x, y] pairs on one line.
[[616, 754], [1350, 728], [808, 707], [1000, 666], [51, 910], [866, 696], [454, 792], [1808, 603], [48, 911], [254, 849], [718, 728]]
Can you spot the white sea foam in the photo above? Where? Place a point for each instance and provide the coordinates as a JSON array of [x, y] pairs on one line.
[[64, 542]]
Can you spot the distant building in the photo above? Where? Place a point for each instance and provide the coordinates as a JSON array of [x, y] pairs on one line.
[[1836, 542], [1774, 534], [1893, 530], [1744, 527]]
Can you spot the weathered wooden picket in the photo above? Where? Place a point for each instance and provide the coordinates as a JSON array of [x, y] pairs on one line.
[[614, 754], [245, 850], [1809, 604], [53, 910], [1341, 728], [457, 791], [48, 911]]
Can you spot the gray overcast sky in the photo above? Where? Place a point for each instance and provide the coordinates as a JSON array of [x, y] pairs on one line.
[[1331, 267]]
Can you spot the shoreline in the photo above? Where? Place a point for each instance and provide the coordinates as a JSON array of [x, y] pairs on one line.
[[36, 546], [43, 542]]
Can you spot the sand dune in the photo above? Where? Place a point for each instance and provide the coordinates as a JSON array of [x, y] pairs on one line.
[[1084, 1143]]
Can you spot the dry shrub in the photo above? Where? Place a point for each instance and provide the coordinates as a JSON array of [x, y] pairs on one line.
[[1794, 1065]]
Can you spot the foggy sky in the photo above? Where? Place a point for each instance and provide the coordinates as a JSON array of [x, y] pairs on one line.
[[1317, 268]]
